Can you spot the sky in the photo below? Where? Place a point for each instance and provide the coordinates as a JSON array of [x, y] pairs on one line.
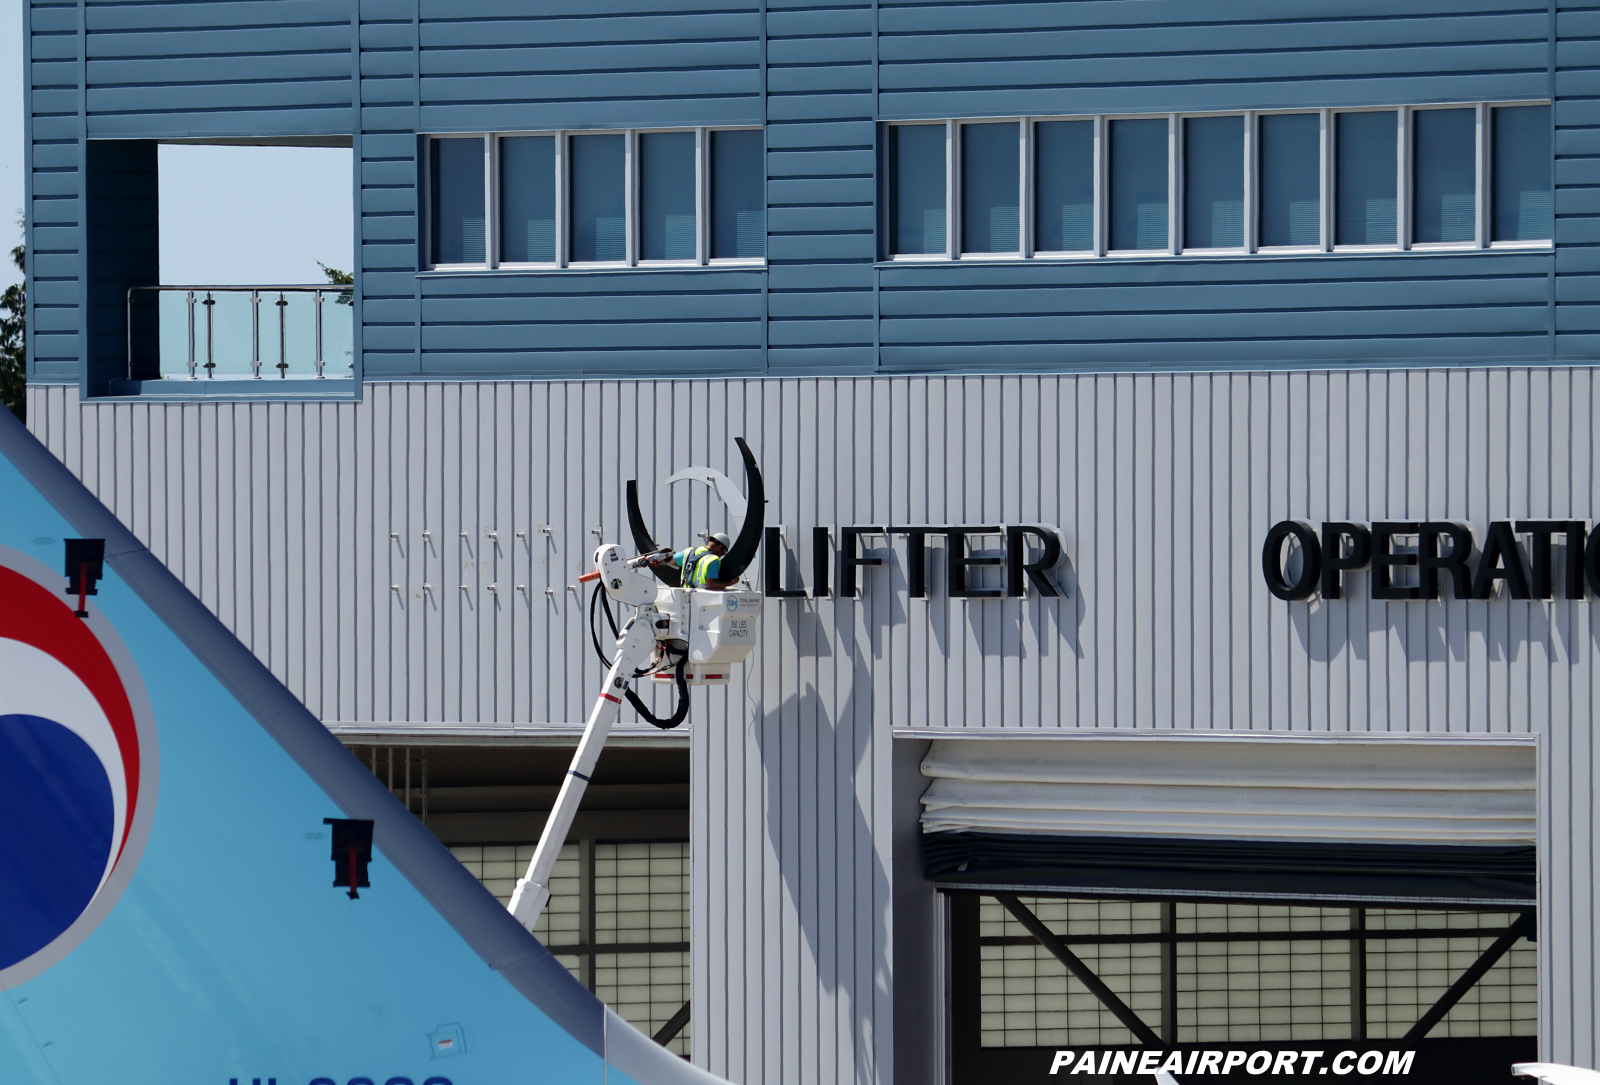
[[229, 215]]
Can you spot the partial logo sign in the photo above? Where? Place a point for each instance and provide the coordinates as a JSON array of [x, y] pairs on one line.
[[77, 769], [733, 604]]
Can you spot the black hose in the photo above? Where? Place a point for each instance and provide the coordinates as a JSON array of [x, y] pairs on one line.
[[678, 716], [594, 634], [682, 711]]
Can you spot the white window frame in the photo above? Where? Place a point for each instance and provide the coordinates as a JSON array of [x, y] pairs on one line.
[[955, 215], [428, 203], [1402, 143], [704, 196], [950, 197], [630, 245], [1479, 221], [1030, 168], [1180, 181], [1486, 179], [561, 226], [1327, 174], [563, 209], [1103, 187], [1252, 166]]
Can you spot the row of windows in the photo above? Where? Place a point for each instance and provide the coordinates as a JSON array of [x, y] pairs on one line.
[[621, 198], [1468, 176]]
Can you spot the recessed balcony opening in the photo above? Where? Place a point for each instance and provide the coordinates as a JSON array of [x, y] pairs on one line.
[[252, 291]]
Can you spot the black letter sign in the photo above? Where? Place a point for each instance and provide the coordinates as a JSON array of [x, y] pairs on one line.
[[956, 559], [1384, 558], [1501, 560], [772, 582], [849, 560], [1431, 563], [1305, 585], [1335, 560], [1017, 562]]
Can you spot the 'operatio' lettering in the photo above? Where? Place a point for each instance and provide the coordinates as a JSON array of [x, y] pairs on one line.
[[1297, 562]]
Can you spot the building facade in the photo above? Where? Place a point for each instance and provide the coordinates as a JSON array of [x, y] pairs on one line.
[[1040, 321]]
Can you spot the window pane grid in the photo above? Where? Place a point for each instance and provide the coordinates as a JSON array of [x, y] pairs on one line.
[[617, 198], [641, 899], [1239, 991], [1471, 176]]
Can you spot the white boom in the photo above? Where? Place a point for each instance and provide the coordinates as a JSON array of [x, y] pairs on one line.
[[716, 629]]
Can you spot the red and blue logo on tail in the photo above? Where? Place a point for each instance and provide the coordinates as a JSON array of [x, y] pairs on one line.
[[76, 771]]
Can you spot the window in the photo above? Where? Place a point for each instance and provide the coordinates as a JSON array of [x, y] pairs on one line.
[[455, 171], [599, 227], [738, 225], [528, 199], [690, 196], [1290, 172], [1368, 178], [1444, 167], [1468, 176], [618, 920], [1523, 204], [1063, 185], [1213, 183], [1235, 972], [917, 184], [666, 196], [990, 192], [1139, 184]]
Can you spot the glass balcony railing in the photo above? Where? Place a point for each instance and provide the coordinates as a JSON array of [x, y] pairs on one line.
[[232, 333]]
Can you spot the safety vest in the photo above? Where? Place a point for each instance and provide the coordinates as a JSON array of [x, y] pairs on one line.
[[695, 563]]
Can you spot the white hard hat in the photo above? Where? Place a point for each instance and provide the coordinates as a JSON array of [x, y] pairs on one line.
[[719, 537]]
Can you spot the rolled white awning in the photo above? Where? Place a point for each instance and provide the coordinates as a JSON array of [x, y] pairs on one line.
[[1350, 790]]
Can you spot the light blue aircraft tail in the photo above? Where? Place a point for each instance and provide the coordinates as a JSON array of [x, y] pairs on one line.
[[168, 912]]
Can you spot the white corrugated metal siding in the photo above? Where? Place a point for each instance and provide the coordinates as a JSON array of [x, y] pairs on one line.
[[280, 516]]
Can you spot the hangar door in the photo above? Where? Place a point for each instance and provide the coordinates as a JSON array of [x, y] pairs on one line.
[[1183, 892]]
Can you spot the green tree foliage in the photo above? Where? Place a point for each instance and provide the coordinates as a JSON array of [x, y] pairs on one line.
[[339, 278], [14, 340]]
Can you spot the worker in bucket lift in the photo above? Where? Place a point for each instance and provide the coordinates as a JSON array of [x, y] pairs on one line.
[[701, 566]]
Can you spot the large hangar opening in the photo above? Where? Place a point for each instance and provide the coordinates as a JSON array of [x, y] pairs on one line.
[[618, 916], [1200, 896]]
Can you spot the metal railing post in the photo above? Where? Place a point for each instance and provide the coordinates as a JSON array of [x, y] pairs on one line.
[[128, 328], [190, 301], [255, 335], [283, 343], [211, 362], [319, 344]]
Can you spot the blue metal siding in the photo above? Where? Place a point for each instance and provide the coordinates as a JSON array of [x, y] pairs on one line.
[[240, 68], [821, 187], [821, 77], [962, 60], [1577, 147]]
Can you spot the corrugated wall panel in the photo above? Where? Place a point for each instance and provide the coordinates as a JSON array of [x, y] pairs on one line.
[[292, 521]]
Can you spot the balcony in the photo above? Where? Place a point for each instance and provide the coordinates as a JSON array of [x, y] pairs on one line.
[[232, 340]]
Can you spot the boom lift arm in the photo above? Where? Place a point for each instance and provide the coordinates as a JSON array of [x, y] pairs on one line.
[[673, 628]]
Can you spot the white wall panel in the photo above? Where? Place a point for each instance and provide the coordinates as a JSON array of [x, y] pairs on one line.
[[292, 521]]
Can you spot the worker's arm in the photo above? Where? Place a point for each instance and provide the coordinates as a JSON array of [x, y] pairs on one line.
[[713, 583]]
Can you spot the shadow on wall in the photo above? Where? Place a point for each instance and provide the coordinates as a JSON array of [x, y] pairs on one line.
[[994, 627], [1445, 629], [813, 764]]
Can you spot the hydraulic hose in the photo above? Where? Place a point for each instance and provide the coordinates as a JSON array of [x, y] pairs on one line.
[[682, 711]]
